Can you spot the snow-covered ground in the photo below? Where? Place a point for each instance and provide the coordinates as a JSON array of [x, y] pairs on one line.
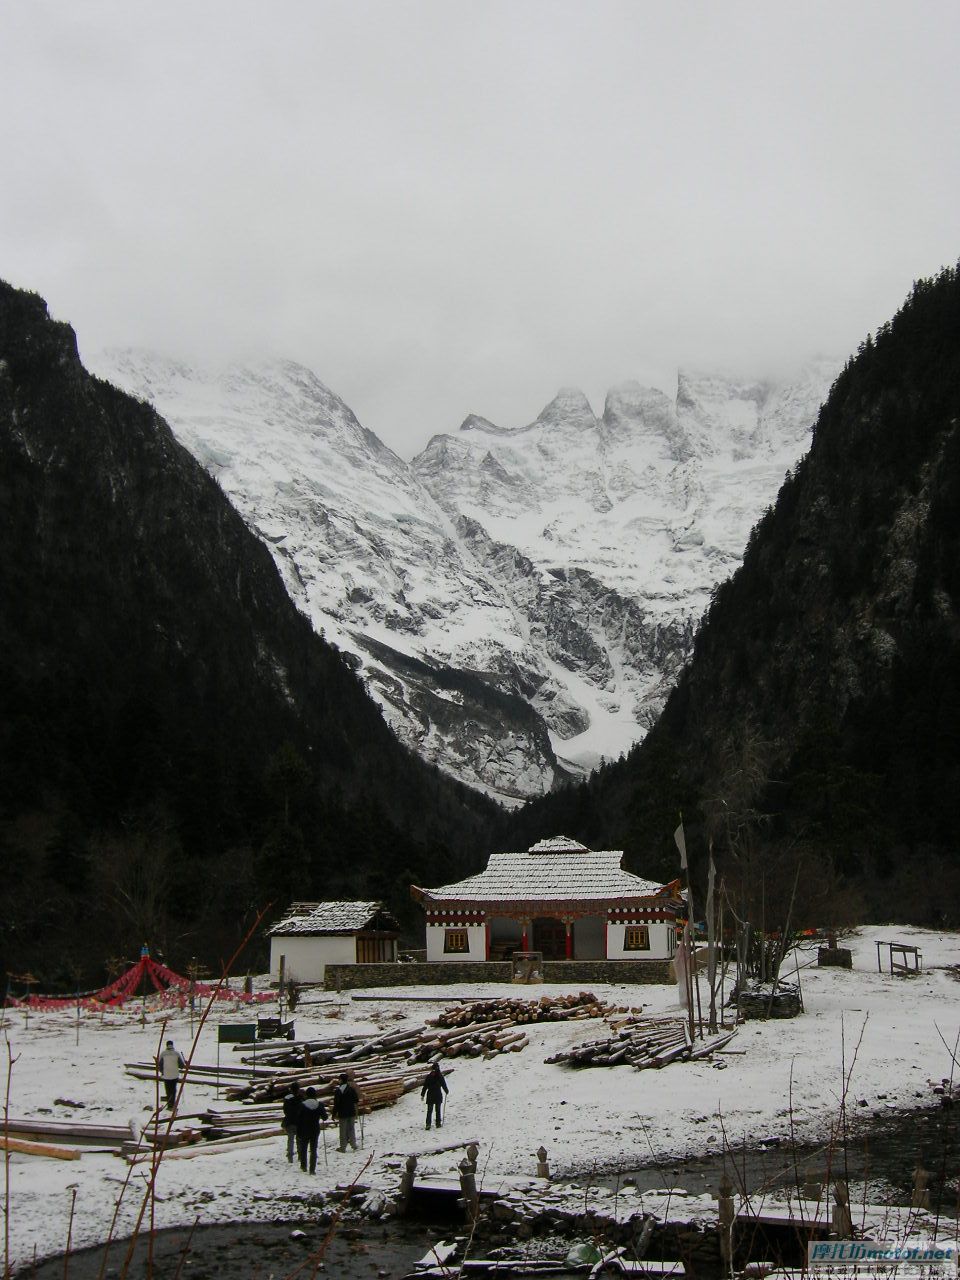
[[587, 1119]]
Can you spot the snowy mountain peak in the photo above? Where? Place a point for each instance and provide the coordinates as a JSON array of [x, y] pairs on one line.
[[518, 601], [632, 410], [568, 408], [474, 422]]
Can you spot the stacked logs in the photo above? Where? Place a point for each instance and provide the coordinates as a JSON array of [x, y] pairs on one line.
[[380, 1084], [481, 1029], [643, 1043], [473, 1040], [546, 1009], [386, 1065]]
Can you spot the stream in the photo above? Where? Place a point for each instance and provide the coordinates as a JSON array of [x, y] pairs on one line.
[[879, 1159]]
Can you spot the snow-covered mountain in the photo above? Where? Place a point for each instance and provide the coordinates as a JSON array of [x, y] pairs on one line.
[[518, 601]]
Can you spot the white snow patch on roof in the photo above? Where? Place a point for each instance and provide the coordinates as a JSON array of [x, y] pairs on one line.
[[326, 917]]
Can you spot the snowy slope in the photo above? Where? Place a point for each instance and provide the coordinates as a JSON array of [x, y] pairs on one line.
[[519, 601]]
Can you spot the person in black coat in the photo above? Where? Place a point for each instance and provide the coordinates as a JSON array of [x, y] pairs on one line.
[[346, 1100], [434, 1087], [292, 1102], [311, 1113]]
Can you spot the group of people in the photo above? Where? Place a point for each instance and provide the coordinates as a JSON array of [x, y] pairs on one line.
[[303, 1114]]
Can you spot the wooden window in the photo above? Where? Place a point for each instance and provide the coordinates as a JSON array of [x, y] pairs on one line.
[[455, 942], [636, 937]]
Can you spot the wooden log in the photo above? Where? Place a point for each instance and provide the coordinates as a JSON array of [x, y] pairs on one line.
[[207, 1148], [38, 1149], [709, 1047], [31, 1130]]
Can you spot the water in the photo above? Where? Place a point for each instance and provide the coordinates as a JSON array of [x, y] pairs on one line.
[[878, 1160]]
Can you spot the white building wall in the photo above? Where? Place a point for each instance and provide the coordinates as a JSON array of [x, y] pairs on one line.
[[660, 949], [307, 957], [476, 940]]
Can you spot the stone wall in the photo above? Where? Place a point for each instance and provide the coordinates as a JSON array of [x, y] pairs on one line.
[[644, 971], [346, 977]]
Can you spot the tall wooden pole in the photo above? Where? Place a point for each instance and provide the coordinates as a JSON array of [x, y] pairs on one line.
[[694, 979]]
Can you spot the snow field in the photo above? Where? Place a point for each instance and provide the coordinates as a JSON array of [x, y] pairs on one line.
[[589, 1120]]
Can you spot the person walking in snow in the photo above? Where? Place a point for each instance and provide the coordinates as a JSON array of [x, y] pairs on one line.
[[310, 1114], [292, 1102], [345, 1103], [169, 1064], [434, 1087]]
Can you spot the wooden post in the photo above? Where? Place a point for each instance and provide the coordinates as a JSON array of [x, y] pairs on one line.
[[726, 1215], [473, 1152], [568, 940], [688, 951], [694, 977], [468, 1189], [812, 1184], [406, 1183], [921, 1192], [711, 947], [723, 966], [841, 1222], [543, 1169]]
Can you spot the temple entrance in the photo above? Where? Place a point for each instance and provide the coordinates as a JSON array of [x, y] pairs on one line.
[[550, 938]]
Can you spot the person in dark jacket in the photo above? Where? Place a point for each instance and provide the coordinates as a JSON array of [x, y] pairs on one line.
[[311, 1113], [434, 1087], [345, 1103], [292, 1102]]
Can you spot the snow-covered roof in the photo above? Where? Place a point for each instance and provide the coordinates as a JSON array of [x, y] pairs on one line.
[[333, 917], [558, 869]]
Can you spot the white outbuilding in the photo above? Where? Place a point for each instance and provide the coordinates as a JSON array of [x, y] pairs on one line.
[[314, 934]]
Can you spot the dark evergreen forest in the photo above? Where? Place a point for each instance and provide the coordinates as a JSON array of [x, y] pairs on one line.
[[178, 748], [814, 737]]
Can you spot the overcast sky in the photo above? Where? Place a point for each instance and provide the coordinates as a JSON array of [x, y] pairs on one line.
[[446, 207]]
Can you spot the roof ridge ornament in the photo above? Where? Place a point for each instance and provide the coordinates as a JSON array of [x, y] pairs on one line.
[[558, 844]]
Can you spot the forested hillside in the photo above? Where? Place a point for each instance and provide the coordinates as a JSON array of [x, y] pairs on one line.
[[817, 726], [177, 746]]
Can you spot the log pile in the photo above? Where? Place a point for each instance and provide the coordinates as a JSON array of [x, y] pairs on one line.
[[512, 1009], [643, 1043], [454, 1033], [382, 1067]]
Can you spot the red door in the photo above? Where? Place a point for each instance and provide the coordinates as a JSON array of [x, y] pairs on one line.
[[550, 938]]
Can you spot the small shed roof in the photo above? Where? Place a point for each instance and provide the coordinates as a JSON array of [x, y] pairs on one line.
[[558, 869], [316, 918]]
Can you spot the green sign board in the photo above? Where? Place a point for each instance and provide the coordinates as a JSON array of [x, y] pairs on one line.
[[237, 1033]]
